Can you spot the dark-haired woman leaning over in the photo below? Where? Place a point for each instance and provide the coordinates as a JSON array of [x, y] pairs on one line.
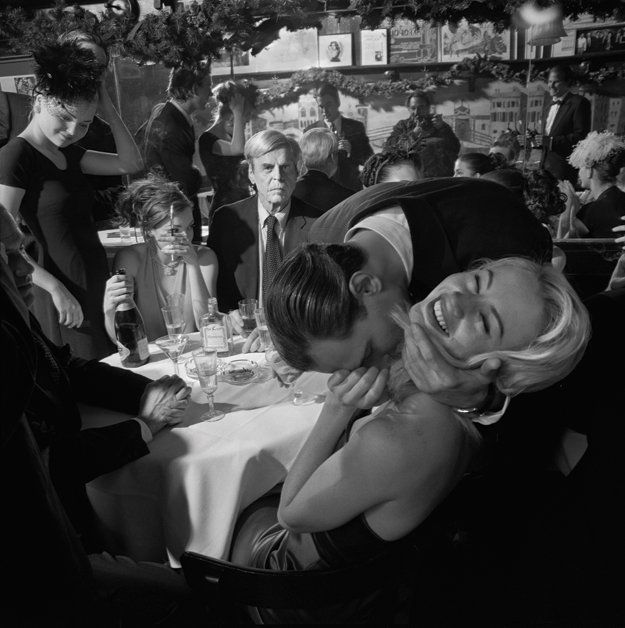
[[42, 178]]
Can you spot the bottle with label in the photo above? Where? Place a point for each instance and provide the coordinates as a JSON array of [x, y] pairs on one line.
[[132, 341], [215, 328]]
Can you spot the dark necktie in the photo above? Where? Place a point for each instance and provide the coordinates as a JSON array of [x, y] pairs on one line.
[[273, 254]]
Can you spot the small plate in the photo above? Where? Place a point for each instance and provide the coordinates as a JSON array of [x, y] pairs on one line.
[[239, 372]]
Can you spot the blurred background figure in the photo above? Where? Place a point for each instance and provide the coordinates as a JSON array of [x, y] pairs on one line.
[[600, 158], [568, 122], [354, 147], [423, 130], [169, 142], [320, 157], [507, 145], [43, 180], [221, 145], [478, 164], [391, 166]]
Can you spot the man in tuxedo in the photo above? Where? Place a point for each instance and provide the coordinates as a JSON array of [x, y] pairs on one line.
[[76, 456], [320, 148], [169, 142], [251, 237], [568, 122], [354, 147]]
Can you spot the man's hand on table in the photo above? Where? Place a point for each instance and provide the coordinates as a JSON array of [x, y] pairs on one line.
[[164, 402]]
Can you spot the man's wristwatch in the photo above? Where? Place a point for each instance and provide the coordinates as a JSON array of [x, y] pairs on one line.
[[493, 402]]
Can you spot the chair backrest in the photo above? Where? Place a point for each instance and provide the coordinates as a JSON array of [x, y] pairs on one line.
[[220, 580]]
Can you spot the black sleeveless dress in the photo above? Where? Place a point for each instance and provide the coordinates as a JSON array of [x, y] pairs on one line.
[[57, 213]]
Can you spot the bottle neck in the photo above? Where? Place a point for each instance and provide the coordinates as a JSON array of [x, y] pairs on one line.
[[126, 306]]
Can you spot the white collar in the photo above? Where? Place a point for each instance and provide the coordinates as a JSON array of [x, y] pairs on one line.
[[281, 216]]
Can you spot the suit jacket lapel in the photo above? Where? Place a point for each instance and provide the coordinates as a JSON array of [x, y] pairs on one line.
[[561, 115]]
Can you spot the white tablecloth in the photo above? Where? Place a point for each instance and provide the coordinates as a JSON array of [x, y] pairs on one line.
[[187, 492]]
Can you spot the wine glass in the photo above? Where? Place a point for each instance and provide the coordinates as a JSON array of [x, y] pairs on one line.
[[247, 307], [206, 367], [289, 376], [174, 319], [172, 346]]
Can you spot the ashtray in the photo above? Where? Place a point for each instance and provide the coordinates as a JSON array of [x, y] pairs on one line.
[[191, 369], [239, 371]]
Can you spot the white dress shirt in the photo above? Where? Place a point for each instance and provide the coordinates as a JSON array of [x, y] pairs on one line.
[[553, 110]]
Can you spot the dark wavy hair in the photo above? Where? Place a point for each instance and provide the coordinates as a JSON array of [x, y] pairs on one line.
[[542, 195], [481, 163], [66, 71], [223, 93], [184, 81], [146, 202], [309, 299], [375, 169]]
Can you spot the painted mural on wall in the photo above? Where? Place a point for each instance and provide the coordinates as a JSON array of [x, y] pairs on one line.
[[477, 117]]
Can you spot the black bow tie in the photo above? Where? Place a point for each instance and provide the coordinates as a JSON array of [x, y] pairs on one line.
[[557, 101]]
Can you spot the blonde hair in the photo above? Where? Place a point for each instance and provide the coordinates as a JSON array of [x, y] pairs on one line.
[[551, 355], [597, 148]]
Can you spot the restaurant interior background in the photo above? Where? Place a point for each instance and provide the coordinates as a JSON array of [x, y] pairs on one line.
[[375, 66]]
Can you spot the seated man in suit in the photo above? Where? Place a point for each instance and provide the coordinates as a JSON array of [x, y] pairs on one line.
[[251, 237], [169, 142], [76, 456], [354, 147], [568, 122], [320, 149]]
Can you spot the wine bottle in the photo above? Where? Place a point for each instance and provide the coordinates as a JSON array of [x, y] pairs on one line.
[[215, 327], [132, 341]]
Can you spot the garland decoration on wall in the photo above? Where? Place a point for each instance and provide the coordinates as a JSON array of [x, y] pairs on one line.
[[302, 82]]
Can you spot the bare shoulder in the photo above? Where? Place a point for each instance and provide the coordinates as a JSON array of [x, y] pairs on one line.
[[416, 429], [205, 255]]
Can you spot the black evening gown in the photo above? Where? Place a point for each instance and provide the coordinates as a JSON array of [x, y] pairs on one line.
[[56, 214]]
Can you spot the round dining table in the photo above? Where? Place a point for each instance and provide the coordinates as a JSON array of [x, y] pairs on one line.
[[187, 493]]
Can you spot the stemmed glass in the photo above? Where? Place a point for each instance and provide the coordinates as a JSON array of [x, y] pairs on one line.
[[288, 376], [173, 315], [173, 346], [206, 367]]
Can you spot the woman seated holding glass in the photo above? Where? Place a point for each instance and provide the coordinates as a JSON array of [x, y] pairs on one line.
[[340, 505], [166, 268]]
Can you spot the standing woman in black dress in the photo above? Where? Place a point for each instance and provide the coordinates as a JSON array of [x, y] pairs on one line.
[[221, 145], [42, 179]]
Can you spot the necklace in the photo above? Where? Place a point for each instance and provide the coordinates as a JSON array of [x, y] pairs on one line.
[[169, 268]]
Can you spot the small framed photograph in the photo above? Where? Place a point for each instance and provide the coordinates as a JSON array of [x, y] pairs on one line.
[[602, 39], [335, 50], [467, 40], [374, 47]]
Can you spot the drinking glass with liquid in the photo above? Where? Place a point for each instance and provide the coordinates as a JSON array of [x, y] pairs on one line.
[[173, 317], [247, 309], [263, 329], [206, 368]]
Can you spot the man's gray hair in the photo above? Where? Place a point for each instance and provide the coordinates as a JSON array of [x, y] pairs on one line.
[[320, 150], [269, 140]]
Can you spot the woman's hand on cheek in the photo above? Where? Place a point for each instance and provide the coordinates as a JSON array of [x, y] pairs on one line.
[[362, 388], [433, 374]]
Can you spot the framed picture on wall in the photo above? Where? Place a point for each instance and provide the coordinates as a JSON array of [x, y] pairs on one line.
[[374, 47], [467, 40], [335, 50], [413, 42], [602, 39]]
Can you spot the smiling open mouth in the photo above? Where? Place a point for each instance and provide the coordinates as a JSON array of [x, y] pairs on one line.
[[438, 315]]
